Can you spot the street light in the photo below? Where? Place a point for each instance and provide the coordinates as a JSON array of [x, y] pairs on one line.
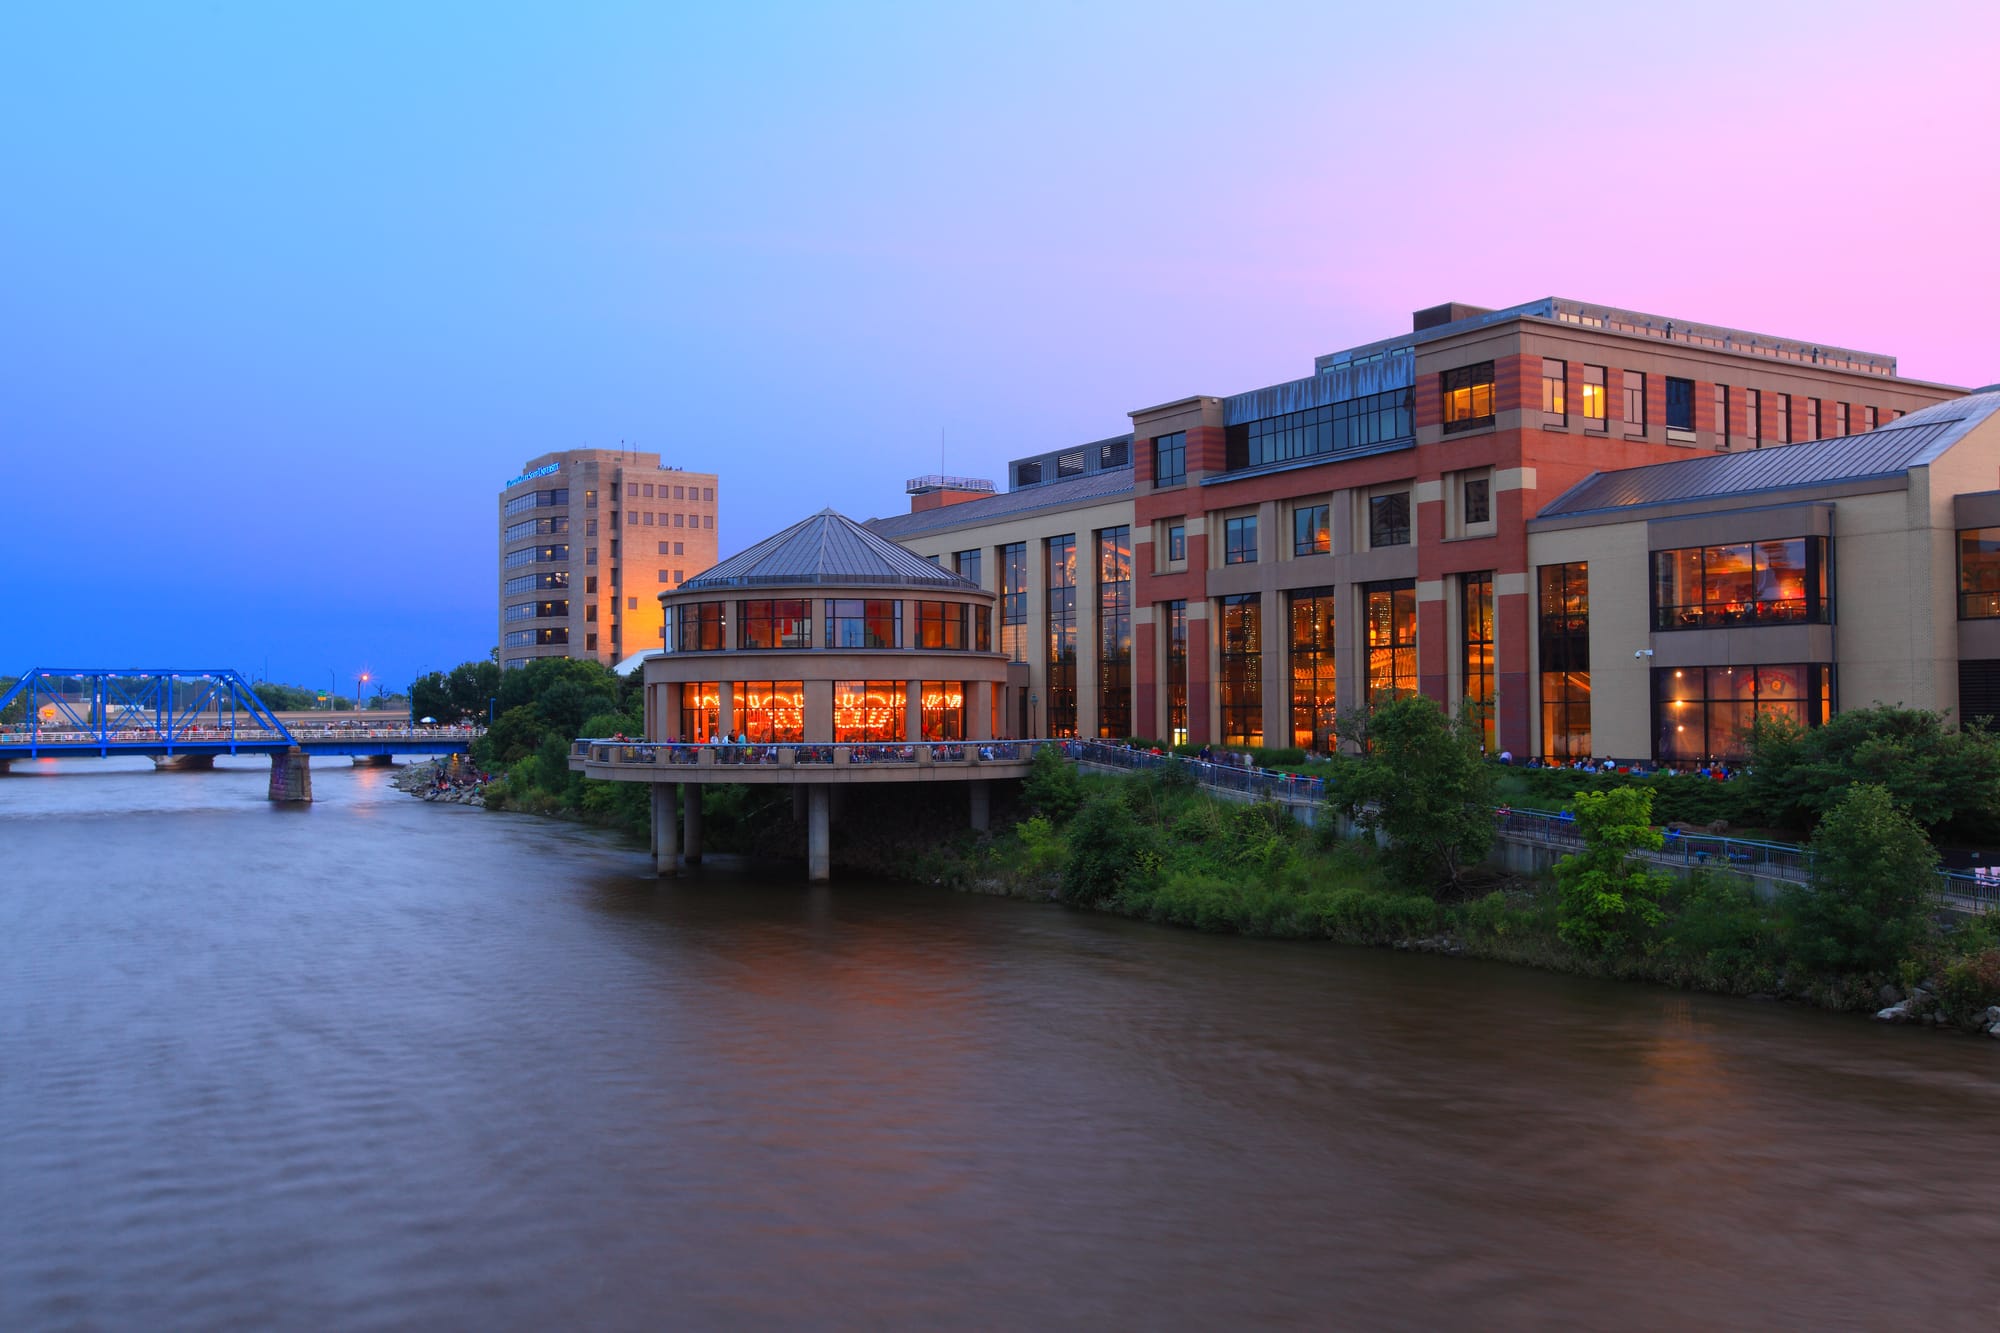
[[332, 688], [359, 681]]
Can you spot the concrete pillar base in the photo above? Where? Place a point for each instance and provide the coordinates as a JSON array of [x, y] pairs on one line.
[[819, 835], [691, 816], [666, 833], [291, 776], [184, 763]]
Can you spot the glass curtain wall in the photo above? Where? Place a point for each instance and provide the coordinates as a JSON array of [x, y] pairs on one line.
[[1565, 649], [942, 710], [1061, 569], [1176, 620], [1704, 713], [1014, 601], [867, 711], [701, 710], [1114, 631], [1242, 654], [1475, 619], [1311, 617], [1389, 613], [769, 712]]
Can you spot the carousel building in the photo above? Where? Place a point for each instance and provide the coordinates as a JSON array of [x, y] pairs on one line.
[[821, 657]]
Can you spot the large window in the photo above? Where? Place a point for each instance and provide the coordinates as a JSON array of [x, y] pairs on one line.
[[1565, 650], [521, 504], [1389, 519], [1389, 612], [1176, 541], [1810, 431], [858, 623], [941, 625], [1356, 423], [1239, 540], [1753, 409], [1593, 397], [1060, 566], [702, 627], [1014, 601], [1310, 615], [1468, 397], [1170, 459], [941, 710], [1635, 400], [1312, 530], [1555, 387], [769, 712], [1747, 583], [533, 582], [1722, 416], [1114, 632], [1177, 670], [1242, 661], [779, 624], [968, 565], [866, 711], [537, 555], [1703, 713], [701, 710], [1475, 659], [1680, 404], [536, 527], [1979, 574]]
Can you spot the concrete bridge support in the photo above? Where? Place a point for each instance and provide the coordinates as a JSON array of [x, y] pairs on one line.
[[184, 763], [291, 776], [982, 804], [691, 816], [666, 832], [374, 761], [819, 834]]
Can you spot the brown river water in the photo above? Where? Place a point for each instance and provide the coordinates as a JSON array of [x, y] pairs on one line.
[[381, 1064]]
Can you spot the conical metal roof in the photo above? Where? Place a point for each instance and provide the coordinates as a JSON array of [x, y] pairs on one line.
[[828, 549]]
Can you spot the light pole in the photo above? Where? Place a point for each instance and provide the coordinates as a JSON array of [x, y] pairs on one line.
[[359, 681], [332, 688]]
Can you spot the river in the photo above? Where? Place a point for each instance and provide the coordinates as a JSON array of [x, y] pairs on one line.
[[382, 1064]]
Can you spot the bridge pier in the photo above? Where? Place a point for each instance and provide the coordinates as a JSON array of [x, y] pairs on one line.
[[374, 761], [291, 775], [819, 839], [183, 763], [982, 804], [691, 816], [666, 837]]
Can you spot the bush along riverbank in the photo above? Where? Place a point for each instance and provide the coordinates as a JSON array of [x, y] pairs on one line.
[[1865, 936]]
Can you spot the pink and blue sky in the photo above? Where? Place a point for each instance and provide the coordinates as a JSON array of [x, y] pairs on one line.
[[289, 293]]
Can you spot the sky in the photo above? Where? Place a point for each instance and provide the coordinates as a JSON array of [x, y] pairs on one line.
[[287, 292]]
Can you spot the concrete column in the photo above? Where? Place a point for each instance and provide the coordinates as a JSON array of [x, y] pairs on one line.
[[981, 804], [691, 815], [725, 706], [666, 835], [979, 709], [291, 776], [913, 710], [798, 803], [819, 836]]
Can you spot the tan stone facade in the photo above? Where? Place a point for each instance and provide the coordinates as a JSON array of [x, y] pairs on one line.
[[581, 576]]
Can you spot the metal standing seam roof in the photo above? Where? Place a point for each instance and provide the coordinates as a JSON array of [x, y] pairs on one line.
[[831, 549], [1912, 441], [1088, 489]]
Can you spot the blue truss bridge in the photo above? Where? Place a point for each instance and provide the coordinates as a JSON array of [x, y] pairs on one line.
[[188, 718]]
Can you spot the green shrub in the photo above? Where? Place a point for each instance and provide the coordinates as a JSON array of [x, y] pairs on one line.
[[1108, 850], [1605, 894], [1873, 887], [1432, 791], [1970, 984], [1052, 787]]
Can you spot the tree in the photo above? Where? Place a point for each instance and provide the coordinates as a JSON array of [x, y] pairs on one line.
[[1604, 893], [1423, 783], [1052, 787], [1940, 774], [1873, 886]]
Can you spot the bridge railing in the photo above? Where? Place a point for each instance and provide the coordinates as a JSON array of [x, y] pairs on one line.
[[716, 754]]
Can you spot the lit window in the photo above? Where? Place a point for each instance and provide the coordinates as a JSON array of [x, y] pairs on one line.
[[1593, 397], [1468, 397], [1555, 387]]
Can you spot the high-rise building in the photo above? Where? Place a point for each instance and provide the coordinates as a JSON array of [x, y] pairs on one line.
[[589, 539]]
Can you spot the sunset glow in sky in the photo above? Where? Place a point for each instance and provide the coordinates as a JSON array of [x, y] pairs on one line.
[[289, 296]]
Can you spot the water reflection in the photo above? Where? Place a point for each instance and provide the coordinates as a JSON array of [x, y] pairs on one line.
[[379, 1062]]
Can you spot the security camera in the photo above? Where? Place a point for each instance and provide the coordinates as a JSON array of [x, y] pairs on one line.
[[1643, 652]]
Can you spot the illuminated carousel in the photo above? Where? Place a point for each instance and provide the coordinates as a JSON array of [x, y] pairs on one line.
[[823, 656]]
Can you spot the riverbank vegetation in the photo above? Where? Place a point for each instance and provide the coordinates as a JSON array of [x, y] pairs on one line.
[[1866, 933]]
